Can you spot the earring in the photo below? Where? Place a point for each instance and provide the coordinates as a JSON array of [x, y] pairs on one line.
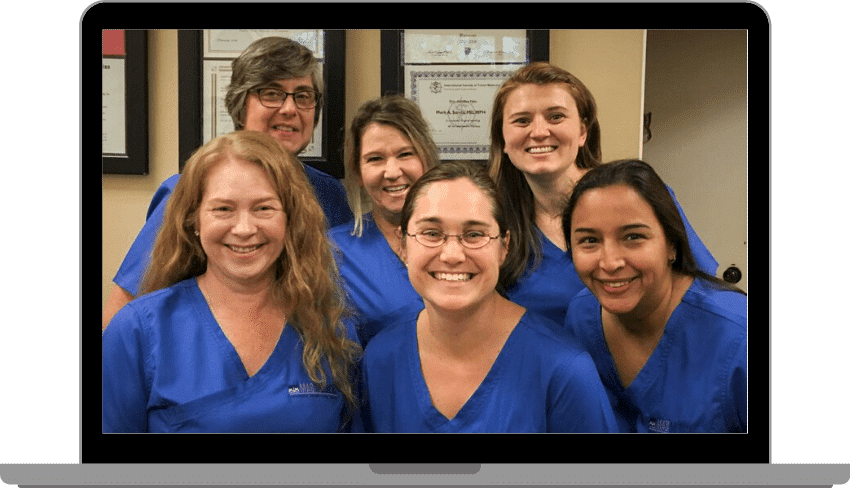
[[197, 233]]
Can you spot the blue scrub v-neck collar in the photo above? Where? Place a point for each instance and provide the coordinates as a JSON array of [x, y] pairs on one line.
[[271, 363], [480, 396], [655, 362]]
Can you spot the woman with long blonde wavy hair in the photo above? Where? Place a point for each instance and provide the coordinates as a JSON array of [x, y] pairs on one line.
[[239, 328]]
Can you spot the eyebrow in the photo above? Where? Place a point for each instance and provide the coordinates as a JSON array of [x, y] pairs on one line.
[[549, 109], [268, 198], [384, 150], [437, 220], [625, 227], [278, 86]]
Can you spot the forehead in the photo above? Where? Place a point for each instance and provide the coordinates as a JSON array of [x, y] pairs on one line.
[[290, 84], [614, 205], [234, 175], [548, 95], [377, 136], [453, 201]]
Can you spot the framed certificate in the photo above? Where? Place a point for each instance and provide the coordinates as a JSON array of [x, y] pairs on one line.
[[454, 76], [205, 68], [124, 104]]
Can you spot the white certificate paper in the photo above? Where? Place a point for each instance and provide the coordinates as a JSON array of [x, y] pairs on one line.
[[468, 46], [457, 102], [113, 108], [229, 43], [217, 120]]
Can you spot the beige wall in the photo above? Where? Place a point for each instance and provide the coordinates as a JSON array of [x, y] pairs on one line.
[[610, 62], [696, 90]]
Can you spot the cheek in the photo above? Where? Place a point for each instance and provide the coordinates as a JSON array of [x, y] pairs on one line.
[[583, 265]]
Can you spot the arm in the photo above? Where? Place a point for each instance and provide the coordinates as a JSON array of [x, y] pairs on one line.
[[130, 274], [738, 390], [705, 261], [579, 401], [124, 385], [118, 297]]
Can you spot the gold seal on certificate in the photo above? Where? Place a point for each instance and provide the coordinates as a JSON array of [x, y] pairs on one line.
[[456, 101]]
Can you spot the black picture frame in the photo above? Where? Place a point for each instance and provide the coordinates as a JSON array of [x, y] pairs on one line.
[[135, 161], [190, 59]]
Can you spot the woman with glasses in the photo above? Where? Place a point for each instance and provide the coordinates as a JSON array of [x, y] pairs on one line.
[[276, 88], [472, 361], [388, 147]]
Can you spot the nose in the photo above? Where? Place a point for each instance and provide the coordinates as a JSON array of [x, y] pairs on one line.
[[611, 259], [452, 251], [288, 105], [392, 170], [539, 128], [244, 225]]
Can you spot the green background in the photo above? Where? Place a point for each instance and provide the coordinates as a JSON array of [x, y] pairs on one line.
[[39, 404]]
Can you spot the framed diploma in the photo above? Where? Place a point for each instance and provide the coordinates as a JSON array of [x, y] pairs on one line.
[[457, 101], [454, 76], [205, 68], [124, 107]]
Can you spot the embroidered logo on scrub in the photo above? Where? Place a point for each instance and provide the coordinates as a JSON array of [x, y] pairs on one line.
[[309, 389], [657, 425]]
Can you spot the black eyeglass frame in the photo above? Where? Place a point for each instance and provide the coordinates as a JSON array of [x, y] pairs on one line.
[[317, 96]]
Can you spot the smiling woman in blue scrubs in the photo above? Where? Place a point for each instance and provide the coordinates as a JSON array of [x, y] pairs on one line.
[[389, 146], [276, 88], [238, 328], [669, 341], [472, 361], [544, 135]]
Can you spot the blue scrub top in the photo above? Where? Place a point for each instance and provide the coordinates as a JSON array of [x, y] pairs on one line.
[[696, 378], [329, 192], [548, 288], [168, 367], [375, 279], [539, 382]]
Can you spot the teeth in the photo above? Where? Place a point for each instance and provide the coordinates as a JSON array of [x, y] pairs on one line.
[[453, 276], [283, 128], [617, 284], [538, 150], [243, 249], [395, 188]]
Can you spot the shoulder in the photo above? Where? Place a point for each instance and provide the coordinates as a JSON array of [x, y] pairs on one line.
[[343, 236], [725, 305], [543, 333], [342, 232], [317, 176], [386, 342], [171, 182], [584, 304], [150, 308]]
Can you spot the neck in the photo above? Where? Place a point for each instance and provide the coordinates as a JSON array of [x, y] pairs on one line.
[[551, 192], [388, 225], [459, 333], [240, 297], [650, 324]]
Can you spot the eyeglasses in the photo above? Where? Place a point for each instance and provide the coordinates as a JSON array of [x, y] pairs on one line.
[[472, 239], [273, 98]]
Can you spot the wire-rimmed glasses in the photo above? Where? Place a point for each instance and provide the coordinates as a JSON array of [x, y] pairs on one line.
[[473, 239]]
